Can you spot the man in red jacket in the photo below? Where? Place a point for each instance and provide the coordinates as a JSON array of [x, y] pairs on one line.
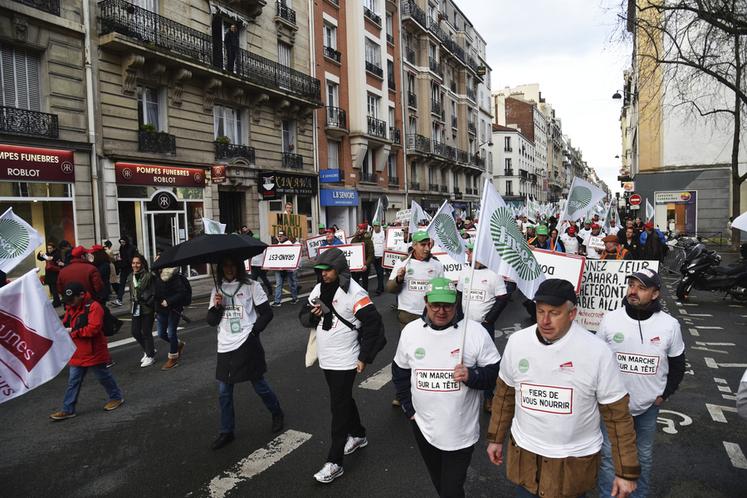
[[82, 271], [84, 319]]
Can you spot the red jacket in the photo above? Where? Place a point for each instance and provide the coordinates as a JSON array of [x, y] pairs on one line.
[[87, 322], [83, 272]]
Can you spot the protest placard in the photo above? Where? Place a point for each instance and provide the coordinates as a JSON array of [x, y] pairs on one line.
[[564, 266], [390, 258], [354, 253], [452, 268], [313, 243], [594, 242], [395, 238], [294, 225], [282, 257], [603, 287], [403, 216]]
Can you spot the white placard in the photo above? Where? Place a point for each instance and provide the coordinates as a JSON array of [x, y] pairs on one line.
[[314, 243], [391, 258], [603, 288], [395, 238], [403, 216], [282, 257], [595, 243], [564, 266], [354, 253], [452, 268]]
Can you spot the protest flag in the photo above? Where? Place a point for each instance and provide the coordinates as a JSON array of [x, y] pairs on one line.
[[582, 198], [443, 231], [213, 227], [18, 239]]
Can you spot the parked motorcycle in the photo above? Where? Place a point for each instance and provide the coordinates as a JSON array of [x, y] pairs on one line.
[[702, 271]]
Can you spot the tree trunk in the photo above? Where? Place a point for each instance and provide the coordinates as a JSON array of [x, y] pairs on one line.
[[736, 183]]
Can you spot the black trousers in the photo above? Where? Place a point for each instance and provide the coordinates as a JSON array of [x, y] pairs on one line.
[[448, 469], [231, 53], [257, 271], [142, 331], [379, 274], [50, 278], [345, 418]]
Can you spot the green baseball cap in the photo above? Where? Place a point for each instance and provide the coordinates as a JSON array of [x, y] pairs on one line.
[[322, 267], [321, 225], [470, 246], [441, 290], [542, 230], [420, 236], [377, 223]]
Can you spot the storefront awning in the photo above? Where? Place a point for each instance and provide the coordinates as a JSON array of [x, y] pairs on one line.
[[160, 176], [34, 164]]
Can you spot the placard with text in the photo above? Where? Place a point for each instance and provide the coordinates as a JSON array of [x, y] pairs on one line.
[[354, 253], [390, 258], [282, 257]]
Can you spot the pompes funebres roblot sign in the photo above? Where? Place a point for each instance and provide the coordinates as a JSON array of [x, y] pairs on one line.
[[34, 164]]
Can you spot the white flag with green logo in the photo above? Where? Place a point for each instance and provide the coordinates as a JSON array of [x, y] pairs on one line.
[[649, 211], [378, 214], [502, 248], [18, 239], [213, 227], [443, 231], [582, 198], [416, 216]]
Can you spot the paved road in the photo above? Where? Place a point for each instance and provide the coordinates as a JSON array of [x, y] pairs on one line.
[[157, 444]]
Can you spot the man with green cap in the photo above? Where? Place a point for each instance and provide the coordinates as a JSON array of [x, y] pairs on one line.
[[442, 363], [541, 241], [321, 228]]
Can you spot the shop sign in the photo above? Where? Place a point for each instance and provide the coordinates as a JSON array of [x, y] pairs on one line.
[[282, 257], [679, 197], [161, 176], [628, 186], [341, 197], [218, 173], [272, 183], [329, 175], [33, 164], [355, 254]]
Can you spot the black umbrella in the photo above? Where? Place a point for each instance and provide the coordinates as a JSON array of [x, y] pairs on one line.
[[210, 249]]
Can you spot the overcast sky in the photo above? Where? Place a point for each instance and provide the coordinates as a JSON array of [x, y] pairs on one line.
[[566, 46]]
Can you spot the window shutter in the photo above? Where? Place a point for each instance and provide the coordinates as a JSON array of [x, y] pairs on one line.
[[7, 77]]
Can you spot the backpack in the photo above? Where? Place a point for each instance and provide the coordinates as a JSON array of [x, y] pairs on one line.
[[111, 324], [187, 290]]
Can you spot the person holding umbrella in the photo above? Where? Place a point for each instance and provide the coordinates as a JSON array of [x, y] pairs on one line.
[[241, 311]]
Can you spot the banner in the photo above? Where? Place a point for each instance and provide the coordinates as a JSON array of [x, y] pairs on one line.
[[391, 258], [582, 197], [18, 239], [34, 345], [603, 288], [354, 253], [452, 267], [213, 227], [378, 214], [740, 222], [564, 266], [282, 257], [444, 233], [403, 216]]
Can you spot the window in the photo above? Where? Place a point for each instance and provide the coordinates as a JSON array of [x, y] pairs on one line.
[[227, 123], [333, 154], [390, 70], [507, 143], [389, 28], [392, 119], [330, 36], [367, 166], [412, 125], [508, 163], [19, 75], [453, 108], [456, 181], [289, 135], [414, 172], [284, 54], [151, 5], [431, 177], [411, 83], [373, 53], [432, 52], [509, 187], [373, 105], [370, 5], [148, 107], [391, 166], [333, 92], [435, 93]]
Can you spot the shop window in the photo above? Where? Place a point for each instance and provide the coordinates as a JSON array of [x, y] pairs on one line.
[[19, 75], [227, 123]]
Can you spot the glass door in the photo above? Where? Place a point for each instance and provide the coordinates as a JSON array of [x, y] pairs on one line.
[[163, 231]]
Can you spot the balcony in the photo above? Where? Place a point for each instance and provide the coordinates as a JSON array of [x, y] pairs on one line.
[[412, 100], [374, 69], [418, 143], [369, 177], [435, 67], [372, 16], [478, 162], [395, 135], [377, 128], [393, 181], [433, 187], [410, 56], [232, 151], [439, 149], [524, 174], [286, 13], [508, 149], [438, 32], [156, 141], [337, 121], [292, 161], [332, 54], [411, 11], [462, 156], [15, 121], [444, 189], [450, 153], [414, 185], [508, 172], [51, 6], [158, 34], [457, 193], [436, 107]]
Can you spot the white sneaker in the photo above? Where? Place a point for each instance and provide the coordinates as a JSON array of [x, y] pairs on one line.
[[329, 473], [117, 302], [353, 443], [148, 361], [145, 356]]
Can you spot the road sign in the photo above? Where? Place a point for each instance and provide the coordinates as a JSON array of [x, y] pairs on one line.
[[635, 200], [628, 186]]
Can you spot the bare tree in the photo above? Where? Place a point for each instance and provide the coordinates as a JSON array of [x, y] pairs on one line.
[[695, 51]]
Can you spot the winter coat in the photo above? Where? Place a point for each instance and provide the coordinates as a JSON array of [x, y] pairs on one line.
[[368, 247], [144, 294], [87, 323], [51, 265], [169, 288], [81, 271], [126, 253], [653, 248]]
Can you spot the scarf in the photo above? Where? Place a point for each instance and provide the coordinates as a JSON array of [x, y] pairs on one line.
[[641, 313]]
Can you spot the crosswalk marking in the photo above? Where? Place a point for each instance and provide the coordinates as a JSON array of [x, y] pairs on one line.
[[377, 380], [130, 340], [735, 455], [711, 363], [717, 412], [694, 333], [710, 327], [257, 462]]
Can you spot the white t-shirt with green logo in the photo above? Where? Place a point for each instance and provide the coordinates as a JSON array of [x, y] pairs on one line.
[[240, 307], [417, 276], [558, 390], [642, 360], [486, 285], [447, 412]]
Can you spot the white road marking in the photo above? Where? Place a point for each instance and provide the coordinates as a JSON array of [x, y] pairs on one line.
[[377, 380], [678, 303], [690, 304], [717, 412], [683, 312], [735, 455], [730, 397], [130, 340], [694, 333], [701, 315], [719, 380], [711, 363], [724, 389], [714, 343], [735, 306], [669, 423], [701, 348], [257, 462], [708, 327]]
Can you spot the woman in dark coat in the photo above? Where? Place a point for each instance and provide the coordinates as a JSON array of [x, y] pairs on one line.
[[171, 296], [52, 266], [142, 297]]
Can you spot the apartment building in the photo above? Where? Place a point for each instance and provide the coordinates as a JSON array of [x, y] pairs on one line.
[[514, 159], [207, 110], [444, 66], [45, 153]]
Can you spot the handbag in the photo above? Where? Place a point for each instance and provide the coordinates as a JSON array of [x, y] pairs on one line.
[[311, 351]]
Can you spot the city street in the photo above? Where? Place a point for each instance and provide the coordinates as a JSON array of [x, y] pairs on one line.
[[158, 443]]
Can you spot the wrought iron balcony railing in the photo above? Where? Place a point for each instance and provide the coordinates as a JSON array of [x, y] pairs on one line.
[[390, 38], [331, 53], [414, 185], [436, 107], [472, 128], [377, 127], [471, 94], [410, 56], [439, 149], [393, 180], [372, 68], [372, 16], [336, 117], [508, 172], [478, 161], [51, 6], [444, 189], [462, 156], [412, 100], [292, 161], [156, 141], [418, 143], [231, 151], [433, 187], [395, 135], [410, 10], [369, 177], [15, 121], [285, 12], [435, 66]]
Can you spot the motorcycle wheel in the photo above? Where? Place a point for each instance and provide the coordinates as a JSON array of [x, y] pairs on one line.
[[683, 291]]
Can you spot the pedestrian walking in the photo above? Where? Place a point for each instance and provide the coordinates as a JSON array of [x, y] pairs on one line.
[[349, 333], [556, 244], [630, 242], [84, 320], [591, 238], [241, 311], [443, 361], [363, 237], [100, 259], [126, 252], [651, 356], [82, 271], [572, 243], [556, 381], [143, 300], [171, 290], [281, 276], [52, 266], [378, 238]]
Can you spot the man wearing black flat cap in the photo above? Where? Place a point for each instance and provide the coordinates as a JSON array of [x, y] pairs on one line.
[[556, 381]]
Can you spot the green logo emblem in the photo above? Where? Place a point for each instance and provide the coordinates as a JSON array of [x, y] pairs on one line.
[[410, 271], [420, 353], [447, 233], [618, 338], [580, 198], [511, 245], [14, 239], [523, 365]]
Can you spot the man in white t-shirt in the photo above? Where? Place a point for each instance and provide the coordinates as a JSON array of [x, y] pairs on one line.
[[651, 354], [442, 362], [378, 237], [488, 293], [593, 243], [555, 383], [571, 241], [585, 229], [341, 312]]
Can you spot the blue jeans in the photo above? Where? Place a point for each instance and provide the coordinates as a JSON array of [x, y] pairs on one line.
[[645, 430], [75, 381], [523, 493], [225, 396], [280, 278], [166, 322]]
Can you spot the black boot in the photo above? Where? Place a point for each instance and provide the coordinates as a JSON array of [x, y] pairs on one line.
[[278, 422], [223, 439]]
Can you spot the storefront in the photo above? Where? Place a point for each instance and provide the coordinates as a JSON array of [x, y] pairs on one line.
[[340, 208], [159, 206], [39, 184], [278, 188], [677, 211]]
